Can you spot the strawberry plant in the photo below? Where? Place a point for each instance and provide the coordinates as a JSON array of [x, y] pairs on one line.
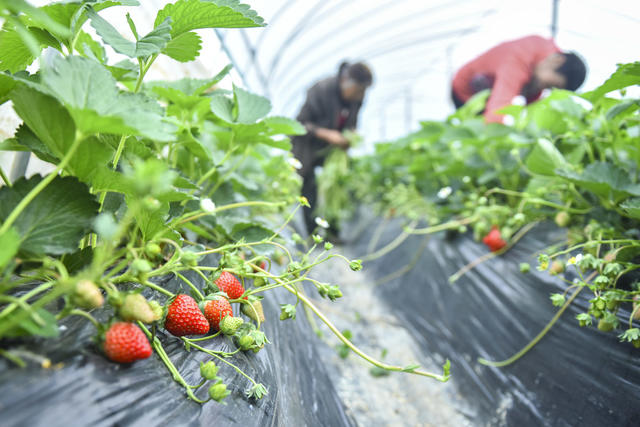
[[572, 159], [151, 179]]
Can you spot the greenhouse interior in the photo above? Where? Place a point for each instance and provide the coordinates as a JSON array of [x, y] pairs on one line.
[[319, 213]]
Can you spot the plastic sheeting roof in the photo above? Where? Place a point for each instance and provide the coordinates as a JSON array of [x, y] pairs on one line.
[[412, 46]]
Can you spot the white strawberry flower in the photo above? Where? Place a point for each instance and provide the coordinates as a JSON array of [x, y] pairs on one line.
[[294, 162], [444, 192], [322, 222], [207, 205]]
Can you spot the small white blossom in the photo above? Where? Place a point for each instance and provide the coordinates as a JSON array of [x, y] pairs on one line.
[[575, 260], [519, 100], [207, 205], [294, 162], [582, 102], [322, 222], [508, 120], [444, 192]]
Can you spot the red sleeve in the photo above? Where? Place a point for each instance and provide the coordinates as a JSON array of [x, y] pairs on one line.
[[509, 80]]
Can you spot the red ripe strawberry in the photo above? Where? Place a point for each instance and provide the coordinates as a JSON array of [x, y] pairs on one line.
[[493, 240], [185, 318], [215, 310], [229, 284], [124, 342]]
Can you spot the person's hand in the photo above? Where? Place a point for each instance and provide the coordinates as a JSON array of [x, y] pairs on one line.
[[333, 137]]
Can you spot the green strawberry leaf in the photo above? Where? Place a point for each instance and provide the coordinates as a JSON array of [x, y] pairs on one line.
[[55, 220], [26, 138], [545, 158], [188, 86], [89, 92], [152, 43], [251, 107], [90, 48], [632, 207], [187, 15], [284, 126], [184, 48], [6, 85], [15, 52], [124, 70], [9, 244], [38, 322], [626, 75], [47, 119], [606, 180], [78, 260]]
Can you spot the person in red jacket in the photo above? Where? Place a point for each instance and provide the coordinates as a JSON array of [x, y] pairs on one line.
[[524, 67]]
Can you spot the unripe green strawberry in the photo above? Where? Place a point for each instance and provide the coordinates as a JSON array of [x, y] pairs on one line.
[[152, 249], [605, 325], [251, 312], [218, 391], [636, 343], [209, 370], [229, 324], [87, 295], [140, 267], [525, 267], [562, 219], [189, 258], [135, 307], [259, 282], [245, 342]]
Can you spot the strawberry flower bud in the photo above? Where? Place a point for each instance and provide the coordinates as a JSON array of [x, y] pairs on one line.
[[209, 370], [218, 391]]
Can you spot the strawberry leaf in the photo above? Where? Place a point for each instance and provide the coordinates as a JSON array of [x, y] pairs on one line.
[[184, 48], [152, 43], [187, 15], [47, 119], [57, 218], [89, 92], [545, 158]]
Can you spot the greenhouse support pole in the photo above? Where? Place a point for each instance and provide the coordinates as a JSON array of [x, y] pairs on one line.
[[554, 18]]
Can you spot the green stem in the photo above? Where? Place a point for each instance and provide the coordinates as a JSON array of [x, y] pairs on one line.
[[77, 312], [591, 242], [12, 357], [157, 346], [227, 207], [41, 185], [8, 309], [355, 349], [391, 246], [158, 288], [212, 353], [191, 285], [4, 178], [441, 227], [537, 339], [190, 340]]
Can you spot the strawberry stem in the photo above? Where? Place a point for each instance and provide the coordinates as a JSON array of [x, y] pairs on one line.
[[191, 285], [308, 303], [157, 346], [537, 339]]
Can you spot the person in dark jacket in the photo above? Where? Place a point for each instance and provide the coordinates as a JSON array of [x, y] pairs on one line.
[[332, 105]]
